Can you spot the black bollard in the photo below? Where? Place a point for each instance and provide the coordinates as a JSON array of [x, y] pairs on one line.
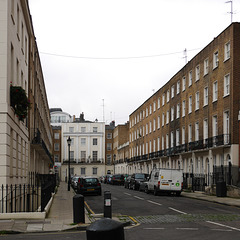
[[107, 205], [105, 229], [78, 209]]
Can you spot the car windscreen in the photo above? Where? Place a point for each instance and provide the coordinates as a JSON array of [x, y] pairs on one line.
[[140, 176], [91, 181]]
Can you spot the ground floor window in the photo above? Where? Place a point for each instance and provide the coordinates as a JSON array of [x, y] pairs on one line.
[[94, 171]]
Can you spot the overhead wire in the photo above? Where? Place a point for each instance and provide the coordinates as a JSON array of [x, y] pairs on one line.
[[116, 58]]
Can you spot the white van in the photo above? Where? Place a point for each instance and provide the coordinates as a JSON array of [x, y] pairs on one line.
[[165, 180]]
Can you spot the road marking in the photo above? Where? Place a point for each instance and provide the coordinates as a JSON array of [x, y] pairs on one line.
[[222, 225], [138, 197], [128, 194], [154, 202], [133, 219], [177, 210], [222, 230], [153, 228], [89, 209], [191, 229]]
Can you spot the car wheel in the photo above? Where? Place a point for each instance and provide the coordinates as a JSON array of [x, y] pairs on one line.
[[146, 190], [178, 194], [134, 187], [155, 192]]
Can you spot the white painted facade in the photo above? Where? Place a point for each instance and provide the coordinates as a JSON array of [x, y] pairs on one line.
[[14, 64], [87, 151]]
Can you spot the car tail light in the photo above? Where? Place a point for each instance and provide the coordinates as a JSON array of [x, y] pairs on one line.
[[99, 184], [158, 183], [182, 185], [79, 180]]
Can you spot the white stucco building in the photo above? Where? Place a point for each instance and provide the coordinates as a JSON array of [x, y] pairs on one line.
[[87, 150]]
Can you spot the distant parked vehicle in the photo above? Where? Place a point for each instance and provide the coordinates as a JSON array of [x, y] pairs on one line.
[[89, 185], [165, 180], [74, 182], [127, 181], [117, 179], [135, 180], [142, 186]]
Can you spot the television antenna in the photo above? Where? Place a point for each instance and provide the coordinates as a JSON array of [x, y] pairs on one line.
[[231, 1]]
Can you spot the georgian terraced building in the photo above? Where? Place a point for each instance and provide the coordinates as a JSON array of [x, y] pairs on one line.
[[25, 139], [192, 121]]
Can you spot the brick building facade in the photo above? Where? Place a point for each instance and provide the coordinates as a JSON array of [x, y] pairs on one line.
[[191, 121]]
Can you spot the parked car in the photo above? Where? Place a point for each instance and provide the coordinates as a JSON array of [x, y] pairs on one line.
[[135, 180], [74, 182], [127, 181], [118, 179], [142, 186], [89, 185]]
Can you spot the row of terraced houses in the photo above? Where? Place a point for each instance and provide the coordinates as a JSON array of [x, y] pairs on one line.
[[192, 122]]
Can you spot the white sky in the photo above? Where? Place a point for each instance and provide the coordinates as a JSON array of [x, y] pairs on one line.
[[111, 43]]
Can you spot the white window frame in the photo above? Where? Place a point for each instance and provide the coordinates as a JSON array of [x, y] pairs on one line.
[[190, 104], [227, 51], [183, 108], [183, 83], [206, 66], [168, 96], [163, 119], [189, 133], [197, 101], [183, 135], [163, 99], [167, 117], [215, 126], [205, 98], [197, 72], [159, 104], [196, 131], [205, 130], [178, 111], [172, 91], [172, 114], [215, 60], [158, 125], [178, 87], [172, 139], [177, 137], [227, 85], [190, 78], [215, 91]]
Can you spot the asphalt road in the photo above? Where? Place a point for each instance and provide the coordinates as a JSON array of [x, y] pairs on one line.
[[158, 217]]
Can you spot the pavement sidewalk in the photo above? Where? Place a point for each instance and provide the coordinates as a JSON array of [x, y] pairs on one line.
[[60, 216]]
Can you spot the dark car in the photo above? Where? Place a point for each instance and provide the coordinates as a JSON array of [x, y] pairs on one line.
[[142, 186], [127, 181], [89, 185], [135, 180], [117, 179]]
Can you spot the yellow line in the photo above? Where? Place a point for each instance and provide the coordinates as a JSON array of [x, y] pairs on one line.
[[89, 209], [133, 219]]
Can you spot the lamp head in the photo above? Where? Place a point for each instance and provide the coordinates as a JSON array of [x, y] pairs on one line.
[[69, 141]]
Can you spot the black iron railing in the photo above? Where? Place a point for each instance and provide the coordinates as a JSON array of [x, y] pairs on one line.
[[27, 197]]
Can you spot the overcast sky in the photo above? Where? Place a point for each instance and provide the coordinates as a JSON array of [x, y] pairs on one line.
[[119, 50]]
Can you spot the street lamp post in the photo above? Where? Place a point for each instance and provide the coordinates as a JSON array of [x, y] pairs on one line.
[[69, 178]]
